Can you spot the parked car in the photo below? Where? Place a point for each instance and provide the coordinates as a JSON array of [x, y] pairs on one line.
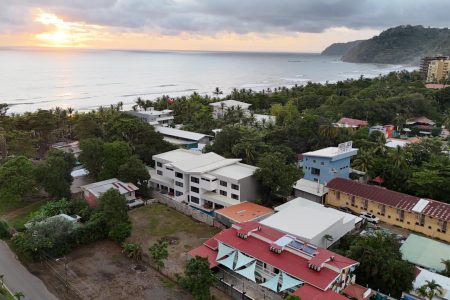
[[134, 203], [346, 209], [369, 217]]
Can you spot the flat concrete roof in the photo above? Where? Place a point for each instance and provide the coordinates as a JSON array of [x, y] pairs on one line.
[[331, 152], [230, 103], [244, 212], [303, 221], [311, 187]]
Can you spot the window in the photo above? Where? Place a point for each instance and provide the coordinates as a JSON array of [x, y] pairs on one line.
[[223, 183], [159, 164], [194, 189], [235, 197], [177, 183], [338, 195], [195, 200], [194, 180], [170, 169], [179, 175], [353, 200], [322, 163], [315, 171], [235, 187], [178, 193], [159, 172], [314, 161], [223, 193], [422, 220], [443, 226]]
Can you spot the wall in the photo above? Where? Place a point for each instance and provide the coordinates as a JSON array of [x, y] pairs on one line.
[[391, 215], [249, 189], [303, 194], [325, 165]]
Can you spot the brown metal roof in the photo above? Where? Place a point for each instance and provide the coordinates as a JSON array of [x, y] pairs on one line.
[[435, 209]]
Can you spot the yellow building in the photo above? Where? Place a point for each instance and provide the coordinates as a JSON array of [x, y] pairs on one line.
[[425, 216], [438, 70]]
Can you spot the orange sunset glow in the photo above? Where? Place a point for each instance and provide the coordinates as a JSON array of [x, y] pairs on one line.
[[65, 34], [57, 31]]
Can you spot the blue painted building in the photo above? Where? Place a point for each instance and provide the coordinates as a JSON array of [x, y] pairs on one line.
[[328, 163]]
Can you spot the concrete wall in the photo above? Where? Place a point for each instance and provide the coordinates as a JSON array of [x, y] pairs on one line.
[[431, 226], [298, 193], [325, 165], [249, 189]]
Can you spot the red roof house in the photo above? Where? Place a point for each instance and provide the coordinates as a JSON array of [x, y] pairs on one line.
[[352, 123], [316, 270]]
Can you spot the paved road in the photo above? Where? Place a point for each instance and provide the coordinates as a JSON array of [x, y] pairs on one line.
[[19, 279]]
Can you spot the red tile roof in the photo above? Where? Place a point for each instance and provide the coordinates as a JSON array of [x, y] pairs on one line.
[[356, 292], [204, 251], [435, 209], [436, 86], [308, 292], [257, 245], [352, 122]]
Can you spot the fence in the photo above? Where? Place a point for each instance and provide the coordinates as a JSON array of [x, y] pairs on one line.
[[188, 210]]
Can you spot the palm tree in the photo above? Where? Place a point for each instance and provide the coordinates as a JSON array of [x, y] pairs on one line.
[[217, 91], [363, 161], [329, 131], [430, 289], [19, 295], [398, 157]]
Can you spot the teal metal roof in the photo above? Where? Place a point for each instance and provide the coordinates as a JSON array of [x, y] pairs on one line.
[[425, 252]]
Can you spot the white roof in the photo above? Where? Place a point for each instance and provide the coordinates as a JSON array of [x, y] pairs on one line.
[[176, 155], [307, 219], [182, 134], [393, 143], [420, 205], [151, 112], [304, 222], [269, 119], [235, 171], [311, 187], [230, 103], [98, 188], [331, 152], [79, 172], [198, 161], [425, 275]]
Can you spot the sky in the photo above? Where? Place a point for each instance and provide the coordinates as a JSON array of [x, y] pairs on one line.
[[218, 25]]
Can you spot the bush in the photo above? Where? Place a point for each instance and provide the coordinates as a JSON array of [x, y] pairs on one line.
[[120, 232], [50, 209], [95, 229], [4, 230]]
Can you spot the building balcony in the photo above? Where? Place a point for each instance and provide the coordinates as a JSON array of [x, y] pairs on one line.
[[209, 184]]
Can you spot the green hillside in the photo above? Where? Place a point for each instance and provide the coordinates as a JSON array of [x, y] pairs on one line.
[[340, 49], [401, 45]]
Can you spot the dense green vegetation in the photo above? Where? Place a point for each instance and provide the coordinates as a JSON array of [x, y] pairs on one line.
[[381, 265], [340, 49], [402, 44]]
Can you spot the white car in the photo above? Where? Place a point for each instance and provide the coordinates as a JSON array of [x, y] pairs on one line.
[[369, 217], [134, 203]]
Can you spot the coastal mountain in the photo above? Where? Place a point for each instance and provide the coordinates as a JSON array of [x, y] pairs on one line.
[[340, 49], [401, 45]]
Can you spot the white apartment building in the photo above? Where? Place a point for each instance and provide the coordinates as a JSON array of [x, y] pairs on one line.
[[206, 181], [219, 108], [154, 117]]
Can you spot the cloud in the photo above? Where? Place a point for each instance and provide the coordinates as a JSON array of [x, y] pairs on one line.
[[210, 17]]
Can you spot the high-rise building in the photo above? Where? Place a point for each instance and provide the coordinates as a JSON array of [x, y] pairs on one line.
[[438, 70], [426, 62]]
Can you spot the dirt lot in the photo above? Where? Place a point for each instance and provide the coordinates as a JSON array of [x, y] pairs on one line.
[[156, 221], [100, 271]]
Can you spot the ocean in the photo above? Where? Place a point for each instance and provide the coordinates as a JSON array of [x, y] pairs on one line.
[[32, 79]]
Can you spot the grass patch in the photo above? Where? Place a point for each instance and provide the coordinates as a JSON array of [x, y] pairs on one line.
[[17, 220], [160, 220], [8, 206], [167, 283]]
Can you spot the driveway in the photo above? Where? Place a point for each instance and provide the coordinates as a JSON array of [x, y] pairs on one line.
[[19, 279]]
